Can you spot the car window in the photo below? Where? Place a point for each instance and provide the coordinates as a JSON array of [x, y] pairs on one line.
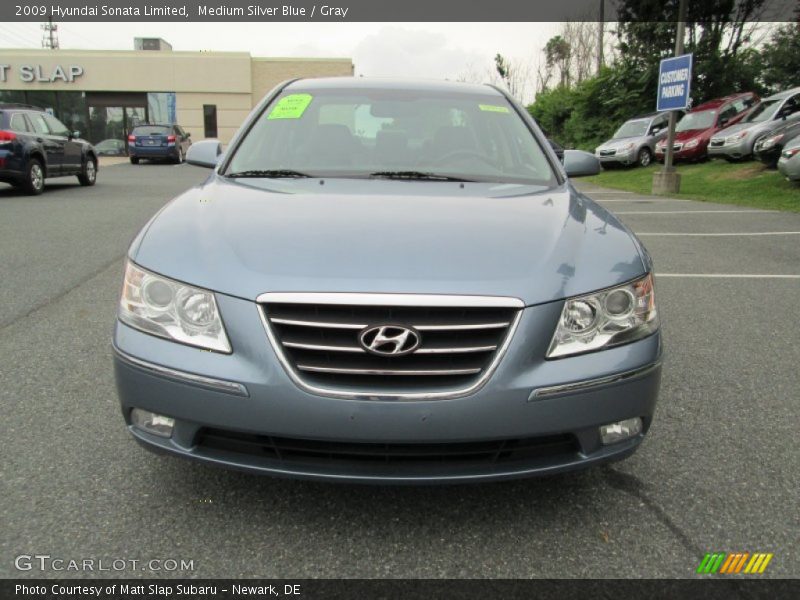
[[354, 133], [763, 112], [791, 106], [18, 123], [697, 120], [39, 124], [56, 126], [727, 114], [633, 128], [151, 130]]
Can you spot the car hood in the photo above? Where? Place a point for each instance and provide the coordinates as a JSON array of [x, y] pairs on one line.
[[685, 136], [253, 236], [617, 143]]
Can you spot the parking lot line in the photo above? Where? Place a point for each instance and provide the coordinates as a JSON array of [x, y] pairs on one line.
[[737, 234], [688, 212], [727, 276], [640, 199]]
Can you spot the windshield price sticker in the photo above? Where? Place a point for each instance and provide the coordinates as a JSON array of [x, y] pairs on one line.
[[493, 108], [290, 107]]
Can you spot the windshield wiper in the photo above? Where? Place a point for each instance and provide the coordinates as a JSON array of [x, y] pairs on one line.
[[268, 173], [421, 175]]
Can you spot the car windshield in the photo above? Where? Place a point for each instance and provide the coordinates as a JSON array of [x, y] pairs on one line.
[[152, 130], [763, 112], [634, 128], [392, 133], [697, 120]]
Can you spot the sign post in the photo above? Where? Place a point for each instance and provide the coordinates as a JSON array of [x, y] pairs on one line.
[[674, 85]]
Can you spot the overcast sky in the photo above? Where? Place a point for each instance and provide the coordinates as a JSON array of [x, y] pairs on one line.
[[435, 50]]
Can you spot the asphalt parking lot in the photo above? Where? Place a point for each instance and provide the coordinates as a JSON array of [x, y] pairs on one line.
[[718, 472]]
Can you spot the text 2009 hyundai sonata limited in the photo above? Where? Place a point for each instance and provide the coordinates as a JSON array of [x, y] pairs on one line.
[[388, 282]]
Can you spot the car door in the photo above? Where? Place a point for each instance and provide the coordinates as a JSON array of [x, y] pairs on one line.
[[53, 146], [658, 130], [71, 157], [183, 138]]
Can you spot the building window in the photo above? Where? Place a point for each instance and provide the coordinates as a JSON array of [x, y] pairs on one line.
[[210, 120]]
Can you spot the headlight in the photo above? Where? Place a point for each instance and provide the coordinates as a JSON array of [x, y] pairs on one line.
[[172, 310], [735, 137], [692, 143], [608, 318], [769, 142], [790, 152]]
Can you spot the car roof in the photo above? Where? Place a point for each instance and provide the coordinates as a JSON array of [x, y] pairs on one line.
[[717, 102], [19, 106], [648, 116], [371, 83], [784, 94]]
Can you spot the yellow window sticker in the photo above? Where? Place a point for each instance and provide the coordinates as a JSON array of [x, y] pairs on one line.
[[493, 108], [290, 107]]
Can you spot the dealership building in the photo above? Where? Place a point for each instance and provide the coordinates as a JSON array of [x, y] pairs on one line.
[[104, 94]]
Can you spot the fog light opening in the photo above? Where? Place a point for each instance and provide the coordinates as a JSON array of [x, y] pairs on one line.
[[620, 431], [151, 422]]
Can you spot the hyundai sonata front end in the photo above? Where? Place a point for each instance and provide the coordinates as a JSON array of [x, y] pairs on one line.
[[388, 282]]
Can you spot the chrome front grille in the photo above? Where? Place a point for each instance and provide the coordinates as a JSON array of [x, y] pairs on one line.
[[318, 338], [608, 152]]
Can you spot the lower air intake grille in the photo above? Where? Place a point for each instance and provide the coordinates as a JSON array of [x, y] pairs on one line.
[[298, 451], [337, 348]]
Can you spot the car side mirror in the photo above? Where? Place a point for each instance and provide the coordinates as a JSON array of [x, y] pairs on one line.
[[578, 163], [188, 134], [723, 122], [205, 153], [74, 135], [655, 131]]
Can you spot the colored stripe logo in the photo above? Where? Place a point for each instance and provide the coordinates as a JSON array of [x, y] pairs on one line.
[[732, 563]]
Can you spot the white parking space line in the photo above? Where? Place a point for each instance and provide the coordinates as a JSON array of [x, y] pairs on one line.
[[726, 276], [640, 199], [738, 234], [688, 212]]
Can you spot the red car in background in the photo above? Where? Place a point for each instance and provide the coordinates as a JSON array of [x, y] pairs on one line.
[[695, 129]]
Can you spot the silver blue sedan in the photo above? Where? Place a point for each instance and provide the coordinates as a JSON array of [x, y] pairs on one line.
[[388, 281]]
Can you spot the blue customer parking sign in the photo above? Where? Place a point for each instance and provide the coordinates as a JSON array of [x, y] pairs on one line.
[[674, 83]]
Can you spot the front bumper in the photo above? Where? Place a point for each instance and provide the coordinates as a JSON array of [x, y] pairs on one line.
[[695, 153], [738, 149], [622, 157], [266, 402]]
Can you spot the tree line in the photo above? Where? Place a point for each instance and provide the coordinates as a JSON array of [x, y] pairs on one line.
[[580, 106]]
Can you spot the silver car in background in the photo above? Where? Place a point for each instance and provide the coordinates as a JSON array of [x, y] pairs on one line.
[[789, 162], [634, 142], [738, 141]]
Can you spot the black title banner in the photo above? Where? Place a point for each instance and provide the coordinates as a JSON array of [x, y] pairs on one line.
[[388, 589], [358, 10]]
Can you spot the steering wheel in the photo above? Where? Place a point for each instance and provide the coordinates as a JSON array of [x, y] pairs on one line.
[[465, 154]]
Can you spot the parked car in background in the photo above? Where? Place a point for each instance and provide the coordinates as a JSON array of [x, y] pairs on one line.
[[110, 147], [35, 146], [634, 142], [768, 148], [694, 131], [388, 281], [789, 162], [737, 142], [158, 142]]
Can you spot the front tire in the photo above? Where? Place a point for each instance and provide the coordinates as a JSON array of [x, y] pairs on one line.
[[179, 158], [644, 158], [33, 184], [88, 175]]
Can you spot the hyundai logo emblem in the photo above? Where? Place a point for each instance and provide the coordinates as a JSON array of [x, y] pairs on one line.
[[389, 340]]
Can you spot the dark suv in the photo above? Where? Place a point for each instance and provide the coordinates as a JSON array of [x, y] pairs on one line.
[[34, 145]]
